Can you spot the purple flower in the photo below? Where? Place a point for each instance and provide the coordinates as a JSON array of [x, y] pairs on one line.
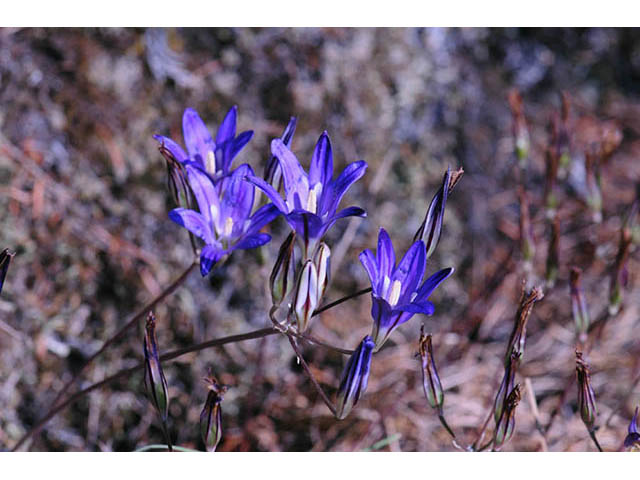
[[224, 221], [354, 378], [633, 439], [311, 200], [214, 156], [272, 172], [397, 295]]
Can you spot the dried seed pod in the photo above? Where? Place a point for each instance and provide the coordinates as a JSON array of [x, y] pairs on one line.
[[506, 385], [154, 379], [431, 384], [586, 397], [518, 335], [505, 426], [211, 415]]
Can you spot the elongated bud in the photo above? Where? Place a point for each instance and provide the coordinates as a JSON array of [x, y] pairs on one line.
[[355, 378], [527, 243], [5, 259], [431, 227], [561, 139], [507, 385], [211, 415], [430, 380], [322, 261], [632, 440], [520, 130], [306, 298], [619, 273], [594, 194], [586, 397], [505, 426], [578, 303], [272, 172], [551, 174], [177, 181], [553, 254], [154, 379], [519, 333], [281, 280]]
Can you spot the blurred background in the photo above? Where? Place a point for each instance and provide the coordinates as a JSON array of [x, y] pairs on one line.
[[83, 203]]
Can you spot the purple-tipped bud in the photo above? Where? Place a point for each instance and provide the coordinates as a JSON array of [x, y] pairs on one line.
[[586, 397], [506, 386], [430, 380], [322, 261], [354, 378], [632, 440], [519, 333], [5, 259], [273, 172], [154, 379], [578, 302], [306, 298], [505, 426], [594, 194], [211, 415], [282, 275], [429, 231]]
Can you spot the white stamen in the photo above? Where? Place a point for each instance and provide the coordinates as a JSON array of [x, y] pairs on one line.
[[210, 162], [394, 296], [312, 201], [228, 227], [213, 210]]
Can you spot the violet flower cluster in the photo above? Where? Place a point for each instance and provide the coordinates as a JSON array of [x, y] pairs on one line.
[[309, 203]]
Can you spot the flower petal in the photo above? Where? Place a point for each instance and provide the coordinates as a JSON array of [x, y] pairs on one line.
[[237, 200], [252, 241], [176, 150], [321, 169], [227, 129], [425, 308], [331, 196], [295, 178], [371, 266], [431, 283], [196, 136], [386, 256], [194, 222], [346, 212], [205, 192], [270, 192], [411, 269], [233, 147], [264, 215], [302, 221], [209, 257]]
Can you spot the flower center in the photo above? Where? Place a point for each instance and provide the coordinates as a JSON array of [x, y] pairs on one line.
[[312, 201], [228, 227], [210, 162], [394, 295]]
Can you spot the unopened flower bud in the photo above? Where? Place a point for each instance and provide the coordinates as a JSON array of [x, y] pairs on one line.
[[322, 261], [431, 227], [5, 259], [594, 193], [586, 397], [281, 280], [430, 380], [505, 426], [354, 378], [306, 298], [632, 440], [578, 304], [272, 172], [211, 415], [154, 379], [619, 273]]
